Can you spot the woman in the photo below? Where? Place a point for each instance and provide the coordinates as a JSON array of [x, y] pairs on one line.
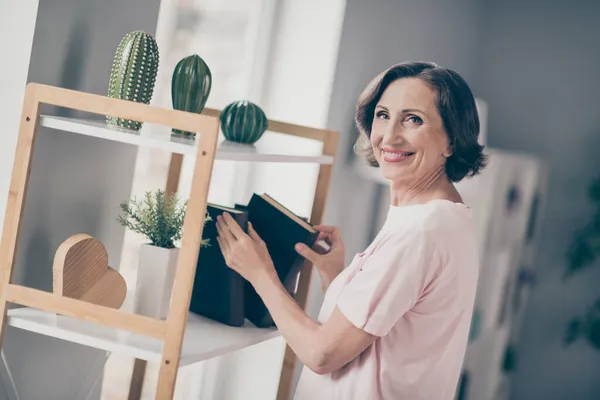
[[394, 324]]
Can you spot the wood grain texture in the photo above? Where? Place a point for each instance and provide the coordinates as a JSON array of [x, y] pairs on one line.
[[137, 379], [284, 127], [126, 109], [193, 227], [81, 271], [139, 367], [83, 310], [16, 196], [330, 144], [174, 173]]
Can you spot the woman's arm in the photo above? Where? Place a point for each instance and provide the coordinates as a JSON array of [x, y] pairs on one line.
[[322, 348]]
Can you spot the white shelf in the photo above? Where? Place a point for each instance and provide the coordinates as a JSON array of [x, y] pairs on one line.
[[204, 338], [261, 151]]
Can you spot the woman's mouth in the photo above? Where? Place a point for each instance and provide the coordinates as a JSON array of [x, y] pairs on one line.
[[395, 155]]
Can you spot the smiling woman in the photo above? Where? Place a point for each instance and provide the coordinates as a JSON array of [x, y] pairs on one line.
[[431, 100], [394, 323]]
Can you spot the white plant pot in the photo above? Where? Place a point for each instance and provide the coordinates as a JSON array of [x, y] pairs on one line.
[[156, 273]]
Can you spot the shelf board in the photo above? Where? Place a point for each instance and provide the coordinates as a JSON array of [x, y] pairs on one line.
[[204, 338], [161, 139]]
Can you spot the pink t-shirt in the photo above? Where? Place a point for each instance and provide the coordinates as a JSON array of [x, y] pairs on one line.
[[414, 288]]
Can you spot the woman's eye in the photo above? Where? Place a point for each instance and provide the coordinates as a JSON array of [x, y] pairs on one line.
[[381, 115], [414, 119]]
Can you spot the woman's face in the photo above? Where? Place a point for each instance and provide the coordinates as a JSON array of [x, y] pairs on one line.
[[407, 134]]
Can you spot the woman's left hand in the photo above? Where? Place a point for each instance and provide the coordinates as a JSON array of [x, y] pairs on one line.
[[245, 253]]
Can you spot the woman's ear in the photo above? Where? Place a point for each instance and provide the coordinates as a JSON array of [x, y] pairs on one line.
[[448, 152]]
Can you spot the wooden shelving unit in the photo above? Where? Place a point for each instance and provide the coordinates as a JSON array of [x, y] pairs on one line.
[[183, 338]]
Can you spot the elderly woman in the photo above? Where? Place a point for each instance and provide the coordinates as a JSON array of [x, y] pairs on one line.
[[394, 323]]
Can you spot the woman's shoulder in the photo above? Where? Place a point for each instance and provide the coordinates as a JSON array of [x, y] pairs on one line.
[[443, 216], [434, 221]]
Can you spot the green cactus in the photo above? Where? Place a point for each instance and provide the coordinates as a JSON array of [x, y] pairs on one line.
[[243, 122], [133, 73], [190, 87]]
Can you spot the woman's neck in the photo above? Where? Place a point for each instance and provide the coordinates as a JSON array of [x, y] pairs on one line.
[[431, 187]]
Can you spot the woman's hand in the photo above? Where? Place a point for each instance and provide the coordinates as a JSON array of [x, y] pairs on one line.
[[246, 254], [322, 347], [331, 263]]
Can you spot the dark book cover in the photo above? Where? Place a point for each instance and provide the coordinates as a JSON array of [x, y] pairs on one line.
[[218, 291], [241, 207], [281, 230]]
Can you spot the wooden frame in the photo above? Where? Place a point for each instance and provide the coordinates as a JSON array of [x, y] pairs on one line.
[[172, 329]]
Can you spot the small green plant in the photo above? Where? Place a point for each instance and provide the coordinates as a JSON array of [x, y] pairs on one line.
[[159, 217], [585, 246], [581, 255], [586, 326]]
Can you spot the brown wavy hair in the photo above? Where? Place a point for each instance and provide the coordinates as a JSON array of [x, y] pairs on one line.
[[455, 103]]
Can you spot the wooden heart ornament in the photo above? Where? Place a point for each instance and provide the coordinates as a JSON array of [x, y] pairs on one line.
[[81, 271]]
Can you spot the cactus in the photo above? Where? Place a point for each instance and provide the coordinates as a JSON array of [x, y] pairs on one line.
[[190, 87], [243, 122], [133, 73]]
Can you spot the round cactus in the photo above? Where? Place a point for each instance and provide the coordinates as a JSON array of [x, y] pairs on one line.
[[133, 73], [243, 122], [190, 87]]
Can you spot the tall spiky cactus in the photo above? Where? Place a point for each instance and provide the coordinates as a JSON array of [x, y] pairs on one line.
[[190, 87], [133, 73]]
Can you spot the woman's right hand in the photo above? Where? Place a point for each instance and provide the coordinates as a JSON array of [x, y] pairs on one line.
[[330, 263]]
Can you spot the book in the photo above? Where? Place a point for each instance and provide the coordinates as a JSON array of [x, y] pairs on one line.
[[280, 229], [245, 208], [218, 291]]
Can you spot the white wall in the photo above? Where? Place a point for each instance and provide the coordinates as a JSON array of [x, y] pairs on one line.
[[76, 182], [539, 75], [17, 23]]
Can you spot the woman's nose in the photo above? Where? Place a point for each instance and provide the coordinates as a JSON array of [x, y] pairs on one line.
[[394, 132]]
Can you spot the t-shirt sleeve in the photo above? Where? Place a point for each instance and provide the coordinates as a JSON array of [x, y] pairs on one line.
[[390, 282]]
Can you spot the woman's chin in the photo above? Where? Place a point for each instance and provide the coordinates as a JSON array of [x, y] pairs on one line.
[[393, 174]]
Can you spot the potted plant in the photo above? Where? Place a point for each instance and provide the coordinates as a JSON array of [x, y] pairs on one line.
[[159, 217], [582, 254]]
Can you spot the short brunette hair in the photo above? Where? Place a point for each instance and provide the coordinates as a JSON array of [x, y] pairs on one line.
[[455, 103]]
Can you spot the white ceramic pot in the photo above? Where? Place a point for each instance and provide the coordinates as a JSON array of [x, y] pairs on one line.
[[156, 273]]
